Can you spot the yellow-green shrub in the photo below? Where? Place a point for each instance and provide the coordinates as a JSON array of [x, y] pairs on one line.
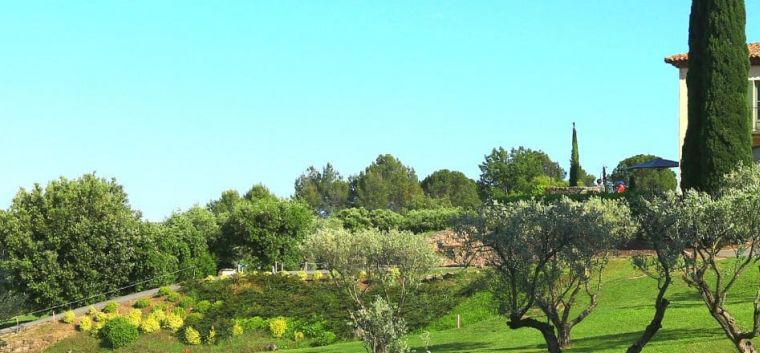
[[237, 329], [111, 307], [150, 324], [316, 276], [134, 317], [173, 322], [91, 310], [278, 327], [85, 324], [68, 317], [211, 338], [298, 336], [158, 314], [302, 275], [192, 336]]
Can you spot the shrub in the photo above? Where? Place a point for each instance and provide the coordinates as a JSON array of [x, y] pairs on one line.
[[237, 329], [181, 312], [68, 317], [298, 336], [218, 304], [302, 275], [192, 336], [150, 324], [278, 327], [316, 276], [202, 306], [252, 324], [159, 314], [142, 303], [85, 324], [119, 333], [173, 297], [164, 291], [173, 322], [211, 338], [91, 310], [324, 339], [193, 319], [186, 302], [101, 317], [111, 307], [134, 317], [161, 306]]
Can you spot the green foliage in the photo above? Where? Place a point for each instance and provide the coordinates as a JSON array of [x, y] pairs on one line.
[[385, 184], [173, 297], [543, 182], [179, 311], [202, 306], [192, 336], [278, 327], [186, 237], [266, 230], [512, 173], [164, 291], [111, 307], [420, 221], [173, 322], [118, 333], [91, 310], [253, 324], [71, 240], [142, 303], [355, 218], [644, 180], [385, 219], [324, 339], [718, 135], [134, 317], [193, 319], [68, 317], [326, 191], [575, 164], [186, 302], [237, 329], [451, 188], [380, 329]]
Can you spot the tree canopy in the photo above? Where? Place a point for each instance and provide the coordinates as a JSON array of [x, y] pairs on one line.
[[512, 173], [325, 191], [451, 188], [386, 183]]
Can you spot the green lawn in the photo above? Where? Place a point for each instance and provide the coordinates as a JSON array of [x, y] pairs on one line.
[[625, 309]]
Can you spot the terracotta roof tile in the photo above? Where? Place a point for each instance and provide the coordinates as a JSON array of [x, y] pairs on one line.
[[682, 60]]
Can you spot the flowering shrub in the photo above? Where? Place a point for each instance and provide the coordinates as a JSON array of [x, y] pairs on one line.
[[68, 317], [134, 317], [278, 327], [192, 336], [111, 307], [173, 322], [85, 324], [150, 324]]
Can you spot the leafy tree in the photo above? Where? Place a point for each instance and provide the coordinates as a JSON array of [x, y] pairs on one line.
[[185, 236], [393, 261], [546, 255], [70, 240], [257, 192], [386, 183], [266, 230], [325, 191], [719, 130], [575, 164], [585, 179], [452, 188], [512, 173], [225, 204], [647, 180]]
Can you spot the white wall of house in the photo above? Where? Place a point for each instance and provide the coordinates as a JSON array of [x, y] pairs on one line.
[[683, 102]]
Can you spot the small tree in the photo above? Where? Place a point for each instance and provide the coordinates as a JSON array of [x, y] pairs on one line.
[[393, 261], [548, 255], [505, 173], [325, 191], [575, 164]]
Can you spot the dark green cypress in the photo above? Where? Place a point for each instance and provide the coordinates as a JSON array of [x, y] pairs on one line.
[[575, 165], [719, 128]]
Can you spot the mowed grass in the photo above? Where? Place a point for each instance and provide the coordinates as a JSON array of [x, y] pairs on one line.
[[625, 308]]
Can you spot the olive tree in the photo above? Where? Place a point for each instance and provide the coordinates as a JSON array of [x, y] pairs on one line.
[[549, 256], [391, 262]]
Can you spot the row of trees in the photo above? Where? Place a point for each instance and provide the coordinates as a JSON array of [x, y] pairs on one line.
[[389, 184]]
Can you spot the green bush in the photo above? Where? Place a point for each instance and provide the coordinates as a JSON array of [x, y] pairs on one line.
[[427, 220], [193, 319], [181, 312], [164, 291], [202, 306], [142, 303], [186, 302], [91, 310], [118, 333], [85, 324], [111, 307], [253, 324], [354, 218], [173, 297], [324, 339], [386, 220]]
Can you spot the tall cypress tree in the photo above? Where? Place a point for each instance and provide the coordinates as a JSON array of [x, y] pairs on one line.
[[719, 129], [575, 165]]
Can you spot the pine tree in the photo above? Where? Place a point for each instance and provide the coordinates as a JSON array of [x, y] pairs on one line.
[[719, 128], [575, 165]]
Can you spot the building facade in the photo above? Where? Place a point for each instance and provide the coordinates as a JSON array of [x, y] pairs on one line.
[[681, 61]]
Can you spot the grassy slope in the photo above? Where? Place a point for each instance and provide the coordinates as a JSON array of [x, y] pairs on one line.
[[625, 309]]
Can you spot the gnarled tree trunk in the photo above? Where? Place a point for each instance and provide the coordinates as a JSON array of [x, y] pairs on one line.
[[552, 343]]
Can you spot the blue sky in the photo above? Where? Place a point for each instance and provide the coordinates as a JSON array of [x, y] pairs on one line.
[[180, 100]]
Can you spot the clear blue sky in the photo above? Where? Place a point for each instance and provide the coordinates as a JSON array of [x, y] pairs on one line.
[[180, 100]]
